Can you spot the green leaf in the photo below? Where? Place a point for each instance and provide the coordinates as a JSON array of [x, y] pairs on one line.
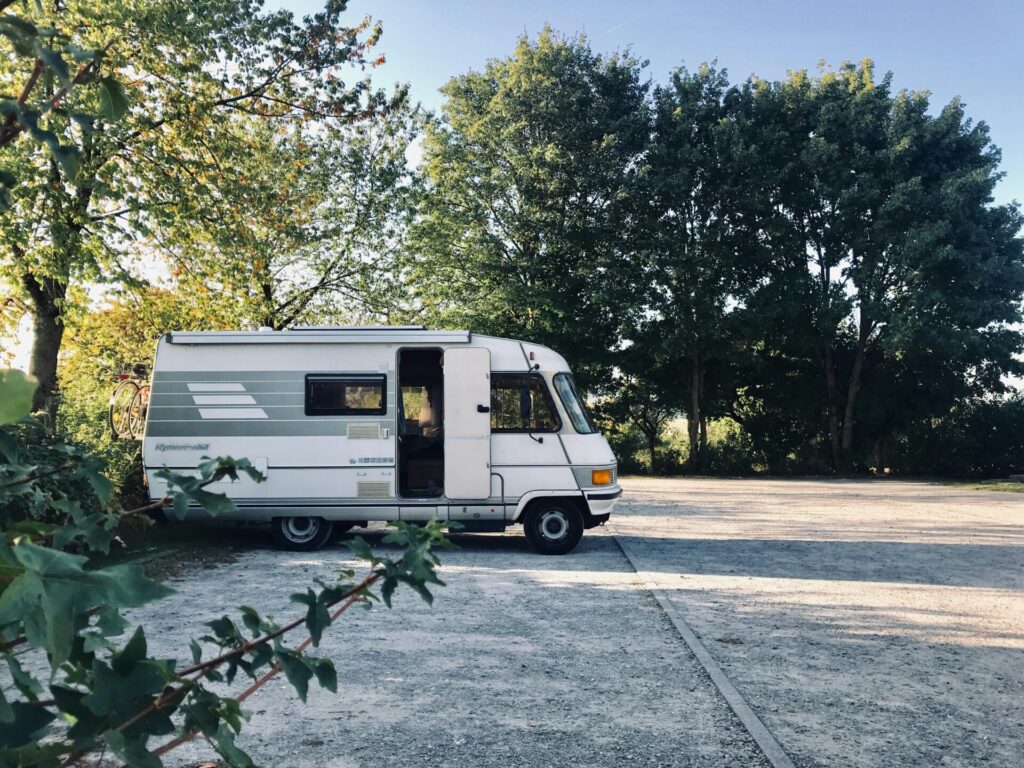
[[20, 33], [69, 160], [53, 60], [6, 713], [224, 742], [214, 503], [297, 670], [131, 751], [25, 682], [113, 101], [179, 504], [24, 26], [91, 470], [326, 675], [134, 652], [251, 619], [25, 724], [16, 391], [56, 588], [317, 617], [83, 55], [361, 549]]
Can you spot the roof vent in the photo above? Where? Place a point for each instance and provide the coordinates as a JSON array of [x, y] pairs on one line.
[[359, 328]]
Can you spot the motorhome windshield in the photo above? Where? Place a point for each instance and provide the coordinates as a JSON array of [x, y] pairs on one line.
[[574, 405]]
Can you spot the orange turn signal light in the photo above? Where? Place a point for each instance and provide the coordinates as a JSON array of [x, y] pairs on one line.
[[601, 477]]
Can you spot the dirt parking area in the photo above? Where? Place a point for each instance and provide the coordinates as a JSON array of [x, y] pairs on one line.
[[524, 660], [866, 623]]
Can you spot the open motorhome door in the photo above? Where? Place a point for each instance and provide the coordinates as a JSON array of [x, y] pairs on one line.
[[467, 423]]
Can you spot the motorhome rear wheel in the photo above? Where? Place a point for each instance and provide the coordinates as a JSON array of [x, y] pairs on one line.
[[302, 534]]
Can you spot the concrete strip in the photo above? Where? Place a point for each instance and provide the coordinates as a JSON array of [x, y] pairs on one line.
[[755, 727]]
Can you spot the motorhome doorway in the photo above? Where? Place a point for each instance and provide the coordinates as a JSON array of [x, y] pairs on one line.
[[420, 423]]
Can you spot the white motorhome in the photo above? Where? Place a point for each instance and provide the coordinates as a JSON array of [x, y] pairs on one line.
[[356, 424]]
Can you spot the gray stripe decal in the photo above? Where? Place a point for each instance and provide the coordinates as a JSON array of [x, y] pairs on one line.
[[250, 388], [246, 376], [262, 399], [307, 427], [229, 376]]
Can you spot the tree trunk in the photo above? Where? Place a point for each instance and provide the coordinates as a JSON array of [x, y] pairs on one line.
[[851, 392], [652, 447], [831, 397], [694, 417], [46, 296]]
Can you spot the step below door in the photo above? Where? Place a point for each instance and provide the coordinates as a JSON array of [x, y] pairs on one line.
[[467, 423]]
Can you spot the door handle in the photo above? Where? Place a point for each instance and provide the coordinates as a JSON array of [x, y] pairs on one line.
[[483, 409]]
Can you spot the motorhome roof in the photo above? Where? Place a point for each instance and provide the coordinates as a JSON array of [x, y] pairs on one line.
[[310, 335]]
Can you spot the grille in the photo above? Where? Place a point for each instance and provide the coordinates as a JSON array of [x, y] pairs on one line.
[[363, 431], [373, 489]]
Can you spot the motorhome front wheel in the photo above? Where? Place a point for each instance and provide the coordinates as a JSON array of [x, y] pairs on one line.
[[300, 533], [553, 528]]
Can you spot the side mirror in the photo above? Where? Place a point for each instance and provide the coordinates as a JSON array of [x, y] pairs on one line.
[[525, 404]]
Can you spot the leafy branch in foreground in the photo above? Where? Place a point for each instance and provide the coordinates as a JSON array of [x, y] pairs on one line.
[[72, 691]]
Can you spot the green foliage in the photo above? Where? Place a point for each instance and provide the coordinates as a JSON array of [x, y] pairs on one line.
[[18, 390], [978, 437], [145, 149], [530, 184], [67, 607]]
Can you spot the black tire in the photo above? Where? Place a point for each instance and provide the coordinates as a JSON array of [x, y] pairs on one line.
[[119, 413], [300, 534], [137, 412], [553, 527]]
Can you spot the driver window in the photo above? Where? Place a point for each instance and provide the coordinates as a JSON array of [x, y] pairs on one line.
[[520, 402]]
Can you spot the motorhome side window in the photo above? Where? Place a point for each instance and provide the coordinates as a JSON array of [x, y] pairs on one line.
[[333, 394], [520, 402]]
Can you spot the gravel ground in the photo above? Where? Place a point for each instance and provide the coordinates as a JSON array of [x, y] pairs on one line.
[[524, 660], [867, 623]]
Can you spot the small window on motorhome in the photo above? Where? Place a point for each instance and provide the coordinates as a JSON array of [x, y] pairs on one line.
[[332, 394], [574, 405], [520, 402]]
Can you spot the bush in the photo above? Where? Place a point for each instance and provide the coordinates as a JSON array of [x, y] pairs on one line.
[[64, 607], [730, 451], [978, 438]]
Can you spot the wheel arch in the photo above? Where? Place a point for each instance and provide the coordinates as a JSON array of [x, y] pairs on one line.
[[533, 497]]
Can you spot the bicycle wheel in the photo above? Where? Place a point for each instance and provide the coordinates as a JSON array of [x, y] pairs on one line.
[[137, 413], [120, 407]]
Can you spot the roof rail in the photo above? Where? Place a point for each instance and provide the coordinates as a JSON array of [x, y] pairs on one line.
[[359, 328]]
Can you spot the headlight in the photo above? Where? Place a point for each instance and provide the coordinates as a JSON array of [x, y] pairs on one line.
[[601, 477]]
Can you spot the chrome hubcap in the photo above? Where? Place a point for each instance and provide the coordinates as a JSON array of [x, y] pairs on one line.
[[554, 525], [301, 529]]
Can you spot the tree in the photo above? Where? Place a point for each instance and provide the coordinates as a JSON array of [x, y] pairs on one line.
[[530, 174], [703, 247], [309, 224], [78, 220], [639, 401], [893, 209]]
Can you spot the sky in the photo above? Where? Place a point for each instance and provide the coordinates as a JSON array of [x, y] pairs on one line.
[[967, 49]]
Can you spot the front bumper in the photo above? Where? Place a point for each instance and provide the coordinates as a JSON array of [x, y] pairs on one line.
[[600, 502]]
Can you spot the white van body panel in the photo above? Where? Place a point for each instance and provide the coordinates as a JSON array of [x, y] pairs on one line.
[[467, 422], [588, 449], [243, 394]]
